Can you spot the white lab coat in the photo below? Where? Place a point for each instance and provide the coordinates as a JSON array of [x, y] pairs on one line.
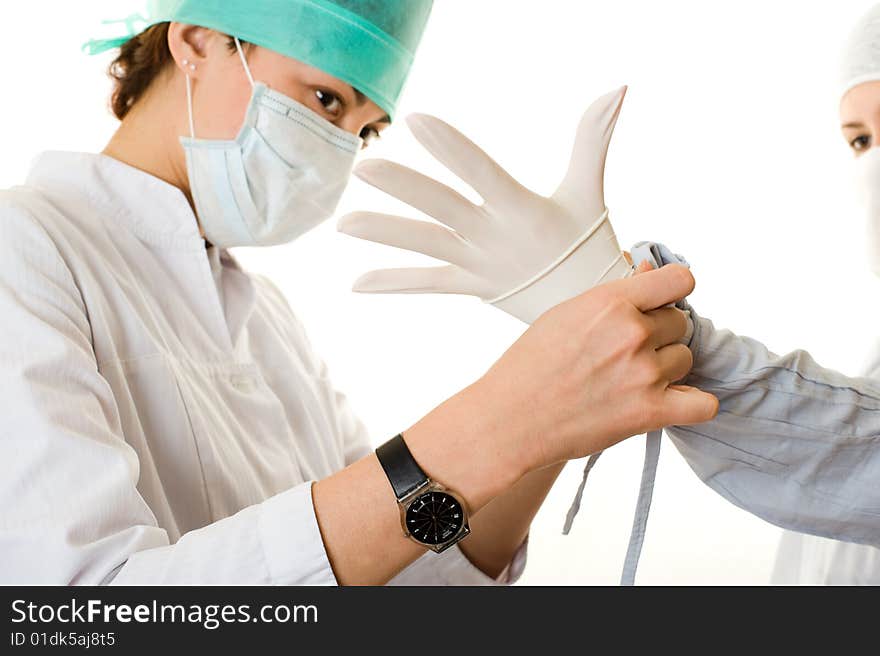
[[163, 413]]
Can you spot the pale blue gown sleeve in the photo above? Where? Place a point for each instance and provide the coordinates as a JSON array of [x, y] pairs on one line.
[[793, 443], [811, 560]]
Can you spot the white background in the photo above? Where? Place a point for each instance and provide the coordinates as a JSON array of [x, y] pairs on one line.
[[728, 150]]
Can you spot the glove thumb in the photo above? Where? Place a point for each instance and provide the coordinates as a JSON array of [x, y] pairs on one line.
[[584, 183]]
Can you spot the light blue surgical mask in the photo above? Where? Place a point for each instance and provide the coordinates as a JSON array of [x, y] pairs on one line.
[[868, 177], [283, 175]]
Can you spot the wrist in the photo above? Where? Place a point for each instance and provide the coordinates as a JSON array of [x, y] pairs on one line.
[[463, 446]]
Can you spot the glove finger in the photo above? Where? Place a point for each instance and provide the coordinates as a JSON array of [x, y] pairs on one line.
[[420, 280], [584, 183], [464, 158], [420, 236], [419, 191]]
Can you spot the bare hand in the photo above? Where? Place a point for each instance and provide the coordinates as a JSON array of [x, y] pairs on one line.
[[598, 369]]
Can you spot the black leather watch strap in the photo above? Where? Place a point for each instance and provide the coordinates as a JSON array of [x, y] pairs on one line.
[[400, 467]]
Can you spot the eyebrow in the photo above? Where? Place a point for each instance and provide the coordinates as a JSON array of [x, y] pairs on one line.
[[361, 99], [853, 125]]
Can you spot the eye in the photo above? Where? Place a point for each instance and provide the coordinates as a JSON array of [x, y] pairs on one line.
[[331, 103], [369, 135], [860, 143]]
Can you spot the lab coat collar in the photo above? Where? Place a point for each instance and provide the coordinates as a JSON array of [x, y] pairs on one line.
[[156, 211], [238, 296]]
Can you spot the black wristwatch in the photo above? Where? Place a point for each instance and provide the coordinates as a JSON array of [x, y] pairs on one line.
[[430, 514]]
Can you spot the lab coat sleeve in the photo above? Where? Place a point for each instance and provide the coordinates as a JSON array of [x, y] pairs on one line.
[[70, 511], [793, 443]]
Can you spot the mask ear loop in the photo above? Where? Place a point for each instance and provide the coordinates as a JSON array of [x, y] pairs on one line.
[[189, 94], [247, 68], [189, 104]]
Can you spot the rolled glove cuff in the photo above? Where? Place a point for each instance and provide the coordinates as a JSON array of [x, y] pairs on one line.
[[594, 258]]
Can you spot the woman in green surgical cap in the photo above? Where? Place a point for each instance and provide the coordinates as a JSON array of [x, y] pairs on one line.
[[165, 417]]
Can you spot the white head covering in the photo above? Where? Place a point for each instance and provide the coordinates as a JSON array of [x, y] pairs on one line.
[[861, 55]]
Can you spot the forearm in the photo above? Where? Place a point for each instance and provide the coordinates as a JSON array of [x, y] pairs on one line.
[[503, 524], [358, 513], [587, 374], [794, 443]]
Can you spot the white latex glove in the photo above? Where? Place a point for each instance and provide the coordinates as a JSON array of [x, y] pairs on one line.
[[520, 251]]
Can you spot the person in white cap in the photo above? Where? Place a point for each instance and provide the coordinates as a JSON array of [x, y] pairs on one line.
[[806, 558]]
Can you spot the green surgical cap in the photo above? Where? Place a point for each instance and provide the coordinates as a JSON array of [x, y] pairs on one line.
[[369, 44]]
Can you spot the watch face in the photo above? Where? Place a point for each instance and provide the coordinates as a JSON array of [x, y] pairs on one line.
[[434, 518]]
